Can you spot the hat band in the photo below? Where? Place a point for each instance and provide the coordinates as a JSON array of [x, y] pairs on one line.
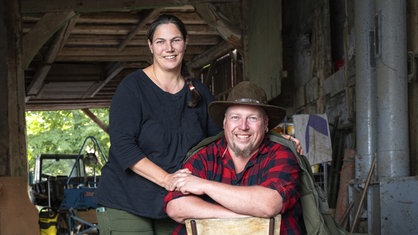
[[247, 100]]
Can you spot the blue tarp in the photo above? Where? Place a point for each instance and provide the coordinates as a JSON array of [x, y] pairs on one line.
[[78, 198]]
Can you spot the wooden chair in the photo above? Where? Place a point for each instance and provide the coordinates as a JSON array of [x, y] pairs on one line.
[[237, 226]]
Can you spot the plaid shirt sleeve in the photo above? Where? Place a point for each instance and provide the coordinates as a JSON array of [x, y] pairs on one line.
[[200, 164], [282, 173]]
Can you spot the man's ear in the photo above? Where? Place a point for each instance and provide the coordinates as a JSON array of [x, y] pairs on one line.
[[223, 122], [266, 123]]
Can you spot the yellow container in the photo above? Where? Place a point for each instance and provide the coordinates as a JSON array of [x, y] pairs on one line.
[[285, 128], [48, 221], [290, 129]]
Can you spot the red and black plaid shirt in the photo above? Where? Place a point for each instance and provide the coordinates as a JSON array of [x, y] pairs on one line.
[[274, 166]]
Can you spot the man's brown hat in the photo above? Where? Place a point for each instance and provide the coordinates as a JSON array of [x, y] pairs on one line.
[[246, 93]]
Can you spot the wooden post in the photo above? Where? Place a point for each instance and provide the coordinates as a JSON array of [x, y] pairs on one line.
[[17, 214], [13, 159], [322, 49]]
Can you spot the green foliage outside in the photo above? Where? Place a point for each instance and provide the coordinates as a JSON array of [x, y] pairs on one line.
[[64, 132]]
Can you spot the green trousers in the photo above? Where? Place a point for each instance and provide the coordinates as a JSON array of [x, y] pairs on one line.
[[119, 222]]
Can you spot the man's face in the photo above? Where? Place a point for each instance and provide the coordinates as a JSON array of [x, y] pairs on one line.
[[244, 128]]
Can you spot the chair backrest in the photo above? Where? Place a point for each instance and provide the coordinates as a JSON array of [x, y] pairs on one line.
[[235, 226]]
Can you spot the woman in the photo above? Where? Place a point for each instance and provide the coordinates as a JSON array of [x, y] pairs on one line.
[[156, 115]]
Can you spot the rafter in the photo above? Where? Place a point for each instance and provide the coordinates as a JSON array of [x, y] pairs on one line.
[[148, 15], [97, 120], [49, 24], [115, 70], [42, 72], [31, 6]]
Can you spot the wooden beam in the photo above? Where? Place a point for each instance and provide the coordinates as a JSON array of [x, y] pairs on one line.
[[112, 54], [66, 106], [104, 29], [41, 33], [115, 70], [13, 151], [96, 120], [148, 15], [209, 55], [185, 13], [69, 30], [138, 40], [31, 6], [42, 72], [228, 29]]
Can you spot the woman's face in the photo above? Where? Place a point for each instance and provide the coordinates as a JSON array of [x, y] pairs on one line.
[[168, 47]]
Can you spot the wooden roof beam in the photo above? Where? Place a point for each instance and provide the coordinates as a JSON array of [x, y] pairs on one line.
[[97, 120], [148, 15], [227, 28], [114, 71], [30, 6], [40, 75], [210, 55], [75, 104], [47, 26]]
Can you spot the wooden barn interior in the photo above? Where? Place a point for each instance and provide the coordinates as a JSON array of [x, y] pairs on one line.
[[353, 61]]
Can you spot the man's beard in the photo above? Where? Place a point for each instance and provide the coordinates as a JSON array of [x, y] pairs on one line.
[[243, 153]]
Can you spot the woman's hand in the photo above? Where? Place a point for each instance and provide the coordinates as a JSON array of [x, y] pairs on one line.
[[295, 141], [190, 184], [170, 179]]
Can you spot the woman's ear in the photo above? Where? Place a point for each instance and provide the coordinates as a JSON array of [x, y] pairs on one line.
[[150, 46]]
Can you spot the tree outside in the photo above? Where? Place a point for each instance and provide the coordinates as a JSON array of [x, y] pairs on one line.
[[63, 132]]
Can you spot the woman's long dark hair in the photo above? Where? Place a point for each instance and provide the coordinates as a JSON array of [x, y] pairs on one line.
[[166, 19], [193, 97]]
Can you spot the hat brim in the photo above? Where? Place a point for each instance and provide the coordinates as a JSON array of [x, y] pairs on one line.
[[217, 112]]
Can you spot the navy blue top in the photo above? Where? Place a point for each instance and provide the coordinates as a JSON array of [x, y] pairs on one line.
[[146, 121]]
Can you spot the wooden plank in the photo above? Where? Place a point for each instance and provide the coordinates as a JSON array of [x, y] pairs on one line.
[[106, 29], [209, 55], [30, 6], [187, 15], [75, 72], [13, 154], [40, 75], [69, 101], [134, 51], [103, 58], [138, 40], [111, 54], [234, 226], [140, 26], [37, 81], [66, 106], [18, 215], [42, 32], [97, 120], [113, 72], [230, 31]]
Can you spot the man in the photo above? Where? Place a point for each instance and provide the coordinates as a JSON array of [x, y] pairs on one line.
[[244, 173]]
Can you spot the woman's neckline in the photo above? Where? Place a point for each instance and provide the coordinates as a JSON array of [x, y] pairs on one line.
[[150, 72]]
